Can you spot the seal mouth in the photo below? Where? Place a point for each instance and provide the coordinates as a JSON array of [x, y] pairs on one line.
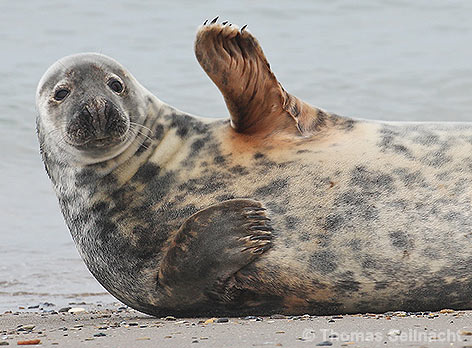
[[97, 127], [99, 143]]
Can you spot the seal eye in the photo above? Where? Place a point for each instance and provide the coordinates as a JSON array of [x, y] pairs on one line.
[[61, 94], [115, 86]]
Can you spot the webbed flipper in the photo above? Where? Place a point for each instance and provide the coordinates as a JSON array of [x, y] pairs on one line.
[[210, 247], [257, 102]]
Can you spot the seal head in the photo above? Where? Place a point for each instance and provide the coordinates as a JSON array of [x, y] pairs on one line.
[[91, 102]]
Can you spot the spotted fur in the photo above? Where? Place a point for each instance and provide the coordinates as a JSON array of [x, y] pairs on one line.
[[359, 215]]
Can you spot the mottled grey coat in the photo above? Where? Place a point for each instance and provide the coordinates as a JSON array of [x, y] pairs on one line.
[[190, 216]]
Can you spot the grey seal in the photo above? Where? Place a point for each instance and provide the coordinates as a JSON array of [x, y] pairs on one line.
[[284, 208]]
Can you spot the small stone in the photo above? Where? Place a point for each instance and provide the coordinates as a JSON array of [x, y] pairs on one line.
[[222, 320], [445, 310], [394, 332], [195, 341], [143, 338], [331, 321], [250, 317], [278, 316], [100, 334], [47, 304], [28, 342], [325, 343], [170, 318], [33, 307], [209, 321], [76, 310], [465, 333], [337, 317], [89, 339], [4, 343], [279, 332], [64, 309], [168, 336], [133, 323], [181, 322]]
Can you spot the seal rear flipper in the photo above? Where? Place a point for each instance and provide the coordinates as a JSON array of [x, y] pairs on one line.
[[258, 104], [210, 247]]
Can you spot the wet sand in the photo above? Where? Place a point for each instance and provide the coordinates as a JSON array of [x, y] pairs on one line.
[[118, 326]]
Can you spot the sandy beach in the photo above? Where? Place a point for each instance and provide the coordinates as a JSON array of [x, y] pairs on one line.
[[119, 326]]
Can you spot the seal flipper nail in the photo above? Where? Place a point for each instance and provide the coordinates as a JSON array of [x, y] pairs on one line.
[[257, 102], [210, 247]]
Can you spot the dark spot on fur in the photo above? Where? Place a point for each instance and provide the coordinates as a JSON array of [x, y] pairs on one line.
[[354, 244], [292, 222], [371, 180], [158, 132], [196, 146], [333, 222], [368, 262], [323, 261], [219, 160], [147, 172], [399, 239], [239, 170], [380, 285], [258, 155], [389, 142], [276, 187]]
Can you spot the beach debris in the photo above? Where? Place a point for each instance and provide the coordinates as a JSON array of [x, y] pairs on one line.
[[394, 332], [64, 309], [325, 344], [28, 327], [4, 343], [33, 307], [222, 320], [99, 334], [210, 321], [170, 318], [75, 310], [446, 311], [28, 342], [47, 304], [143, 338], [465, 333], [278, 316]]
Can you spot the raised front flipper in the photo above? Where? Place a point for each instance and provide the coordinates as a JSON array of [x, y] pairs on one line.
[[258, 104], [210, 247]]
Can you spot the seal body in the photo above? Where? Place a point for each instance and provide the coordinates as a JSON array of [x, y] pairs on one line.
[[285, 208]]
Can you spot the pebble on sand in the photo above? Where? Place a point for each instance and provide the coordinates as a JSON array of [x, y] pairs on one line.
[[76, 310], [28, 342]]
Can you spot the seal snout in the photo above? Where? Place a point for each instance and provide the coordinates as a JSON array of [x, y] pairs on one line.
[[97, 123]]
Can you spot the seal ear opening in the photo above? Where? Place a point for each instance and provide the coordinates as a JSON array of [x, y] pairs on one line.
[[235, 62]]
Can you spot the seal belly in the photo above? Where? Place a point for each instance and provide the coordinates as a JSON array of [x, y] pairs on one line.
[[363, 218]]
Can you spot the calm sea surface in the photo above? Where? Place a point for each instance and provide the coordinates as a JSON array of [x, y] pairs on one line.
[[391, 60]]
